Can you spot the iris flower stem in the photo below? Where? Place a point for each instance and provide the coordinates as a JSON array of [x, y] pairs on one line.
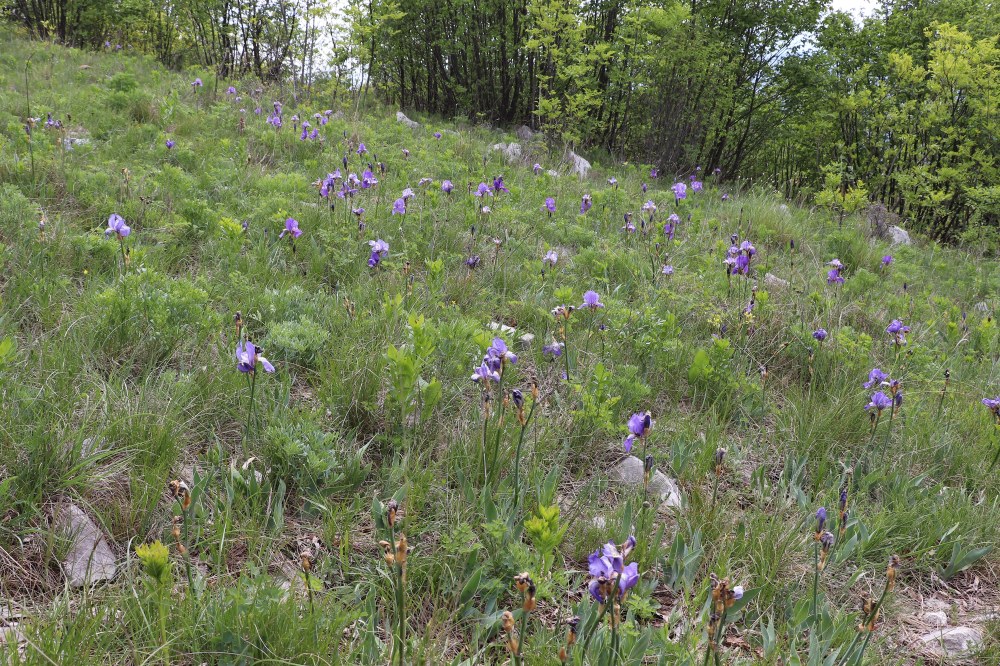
[[496, 446], [867, 623], [163, 621], [815, 576], [614, 631], [718, 636], [121, 244], [888, 433], [517, 457], [519, 657], [486, 466], [397, 570], [187, 554], [566, 345], [495, 452], [253, 385]]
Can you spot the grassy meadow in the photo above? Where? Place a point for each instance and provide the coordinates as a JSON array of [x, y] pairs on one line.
[[281, 541]]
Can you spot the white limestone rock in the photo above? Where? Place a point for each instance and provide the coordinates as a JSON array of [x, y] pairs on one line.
[[401, 118], [631, 471], [89, 558]]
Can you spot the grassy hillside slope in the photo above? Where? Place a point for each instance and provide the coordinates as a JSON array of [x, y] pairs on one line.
[[118, 375]]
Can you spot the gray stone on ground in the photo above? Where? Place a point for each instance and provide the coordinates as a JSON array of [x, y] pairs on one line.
[[953, 640], [631, 471], [511, 151], [553, 173], [981, 306], [401, 118], [89, 558], [936, 618], [503, 328], [525, 133], [772, 281], [899, 236], [581, 167], [526, 340]]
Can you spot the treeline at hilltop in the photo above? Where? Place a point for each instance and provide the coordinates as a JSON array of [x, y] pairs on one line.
[[900, 109]]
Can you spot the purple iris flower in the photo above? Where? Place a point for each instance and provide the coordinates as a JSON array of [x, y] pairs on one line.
[[361, 149], [609, 563], [291, 227], [820, 518], [638, 426], [629, 227], [875, 377], [196, 83], [671, 225], [447, 187], [896, 326], [368, 179], [820, 334], [680, 191], [437, 135], [277, 108], [274, 120], [645, 187], [314, 134], [667, 270], [613, 182], [407, 194], [649, 207], [247, 358], [994, 405], [380, 249], [879, 402], [499, 350], [537, 168], [473, 261], [482, 190], [550, 258], [423, 181], [498, 186], [898, 330], [725, 196], [654, 173], [406, 154], [550, 205], [696, 186], [553, 351], [230, 90], [585, 203], [117, 226], [833, 276], [484, 375], [399, 206], [592, 300], [886, 260], [170, 144], [358, 211]]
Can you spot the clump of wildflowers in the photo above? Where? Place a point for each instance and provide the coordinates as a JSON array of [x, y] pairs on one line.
[[898, 330], [379, 251], [834, 276], [586, 203]]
